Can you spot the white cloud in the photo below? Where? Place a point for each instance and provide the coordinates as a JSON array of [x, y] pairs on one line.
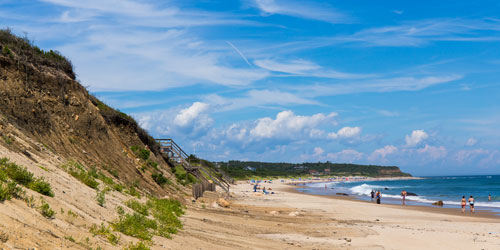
[[257, 98], [433, 152], [346, 155], [345, 132], [303, 68], [383, 152], [318, 151], [301, 9], [471, 142], [288, 125], [188, 115], [416, 137], [422, 32], [377, 85], [193, 121], [399, 12]]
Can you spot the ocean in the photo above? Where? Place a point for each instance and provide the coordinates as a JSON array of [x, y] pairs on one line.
[[448, 189]]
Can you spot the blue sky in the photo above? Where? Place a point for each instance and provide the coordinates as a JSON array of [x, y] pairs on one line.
[[407, 83]]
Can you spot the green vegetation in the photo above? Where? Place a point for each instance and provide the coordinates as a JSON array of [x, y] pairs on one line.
[[101, 198], [132, 191], [20, 175], [141, 245], [135, 225], [182, 176], [78, 171], [46, 211], [160, 179], [247, 170], [9, 190], [164, 211], [138, 207], [7, 139], [12, 45], [105, 232], [118, 187], [140, 152], [70, 238]]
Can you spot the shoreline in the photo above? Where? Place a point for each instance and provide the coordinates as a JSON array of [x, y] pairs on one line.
[[289, 219], [481, 213]]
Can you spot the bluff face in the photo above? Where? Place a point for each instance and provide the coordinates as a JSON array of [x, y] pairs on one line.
[[40, 96]]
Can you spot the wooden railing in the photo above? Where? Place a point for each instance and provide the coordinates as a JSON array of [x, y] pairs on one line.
[[175, 152]]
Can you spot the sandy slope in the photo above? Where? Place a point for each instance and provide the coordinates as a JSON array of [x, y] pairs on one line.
[[264, 222]]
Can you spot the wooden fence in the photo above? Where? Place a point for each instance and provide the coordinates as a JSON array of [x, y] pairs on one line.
[[199, 188]]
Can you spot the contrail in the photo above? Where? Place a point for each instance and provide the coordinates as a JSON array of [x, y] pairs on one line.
[[239, 52]]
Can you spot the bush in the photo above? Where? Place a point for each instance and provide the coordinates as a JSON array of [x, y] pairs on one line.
[[138, 207], [41, 186], [88, 178], [142, 153], [22, 176], [46, 211], [138, 246], [17, 173], [101, 198], [132, 191], [136, 225], [9, 190], [118, 187], [105, 232], [166, 212], [159, 179]]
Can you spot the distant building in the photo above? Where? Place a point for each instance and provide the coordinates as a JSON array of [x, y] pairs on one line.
[[327, 171], [313, 172]]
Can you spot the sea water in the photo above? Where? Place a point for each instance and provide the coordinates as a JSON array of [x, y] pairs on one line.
[[448, 189]]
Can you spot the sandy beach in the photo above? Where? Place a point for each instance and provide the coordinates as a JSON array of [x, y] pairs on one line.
[[292, 220]]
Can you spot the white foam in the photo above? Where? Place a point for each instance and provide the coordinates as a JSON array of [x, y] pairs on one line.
[[364, 189]]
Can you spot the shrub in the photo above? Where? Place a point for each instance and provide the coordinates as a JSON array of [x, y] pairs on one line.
[[46, 211], [77, 171], [138, 246], [9, 190], [138, 207], [140, 152], [135, 225], [41, 186], [132, 191], [180, 173], [101, 198], [105, 232], [22, 176], [166, 212], [118, 187], [159, 179], [17, 173]]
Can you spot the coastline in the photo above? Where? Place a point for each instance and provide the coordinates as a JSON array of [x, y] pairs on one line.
[[482, 213], [290, 219]]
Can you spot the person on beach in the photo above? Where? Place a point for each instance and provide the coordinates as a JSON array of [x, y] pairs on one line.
[[489, 197], [463, 204], [471, 204], [264, 190], [403, 193], [372, 194], [255, 188], [378, 197]]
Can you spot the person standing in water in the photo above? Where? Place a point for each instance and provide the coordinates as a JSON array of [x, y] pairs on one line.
[[378, 197], [463, 204], [471, 204], [403, 193], [372, 194], [489, 197]]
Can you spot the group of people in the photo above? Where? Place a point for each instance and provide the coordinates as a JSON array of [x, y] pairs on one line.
[[471, 203], [377, 195], [264, 191]]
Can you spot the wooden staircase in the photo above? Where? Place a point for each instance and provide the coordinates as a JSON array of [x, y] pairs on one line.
[[201, 170]]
